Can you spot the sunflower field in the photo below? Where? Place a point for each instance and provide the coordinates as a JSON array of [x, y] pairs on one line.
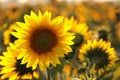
[[60, 40]]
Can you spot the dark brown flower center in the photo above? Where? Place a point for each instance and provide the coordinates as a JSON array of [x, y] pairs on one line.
[[21, 68], [99, 57], [14, 9], [43, 40]]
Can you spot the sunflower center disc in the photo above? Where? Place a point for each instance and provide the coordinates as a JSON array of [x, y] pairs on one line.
[[99, 57], [43, 40]]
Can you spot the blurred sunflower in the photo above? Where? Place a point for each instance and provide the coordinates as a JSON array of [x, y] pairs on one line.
[[3, 19], [96, 15], [69, 70], [12, 68], [99, 53], [82, 12], [101, 32], [67, 11], [51, 8], [99, 11], [82, 32], [13, 12], [8, 37], [81, 29], [112, 13], [43, 40]]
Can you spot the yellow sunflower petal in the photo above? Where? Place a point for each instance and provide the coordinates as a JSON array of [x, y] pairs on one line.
[[22, 25], [35, 74], [13, 77], [31, 62], [21, 55], [7, 70]]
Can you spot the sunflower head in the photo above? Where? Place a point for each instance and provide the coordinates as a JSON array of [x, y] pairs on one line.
[[69, 70], [43, 39], [13, 10], [103, 35], [96, 16], [11, 67], [82, 12], [112, 13], [8, 37], [99, 53], [82, 34]]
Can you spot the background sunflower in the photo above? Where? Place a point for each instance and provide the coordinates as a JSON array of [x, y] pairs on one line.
[[99, 53], [12, 68], [8, 37]]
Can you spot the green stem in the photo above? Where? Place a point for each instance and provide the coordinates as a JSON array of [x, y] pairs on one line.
[[42, 76], [61, 76], [48, 73]]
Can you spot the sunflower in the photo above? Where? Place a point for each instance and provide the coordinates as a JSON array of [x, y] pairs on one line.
[[112, 13], [82, 12], [67, 11], [99, 53], [69, 70], [11, 67], [80, 29], [8, 37], [43, 39], [101, 32], [96, 16], [13, 12], [51, 8]]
